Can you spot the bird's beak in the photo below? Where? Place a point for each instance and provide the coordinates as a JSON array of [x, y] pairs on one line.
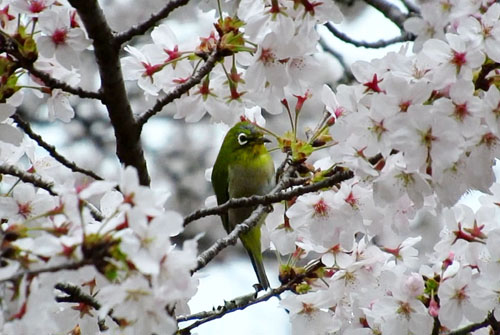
[[265, 139]]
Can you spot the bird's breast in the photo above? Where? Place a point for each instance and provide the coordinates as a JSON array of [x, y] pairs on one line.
[[251, 177]]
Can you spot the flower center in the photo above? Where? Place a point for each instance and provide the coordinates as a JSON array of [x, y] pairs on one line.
[[59, 36]]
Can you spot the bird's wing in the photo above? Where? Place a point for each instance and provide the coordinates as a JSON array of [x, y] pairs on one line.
[[220, 184]]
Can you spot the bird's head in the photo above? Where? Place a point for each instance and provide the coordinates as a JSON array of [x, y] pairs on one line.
[[245, 135]]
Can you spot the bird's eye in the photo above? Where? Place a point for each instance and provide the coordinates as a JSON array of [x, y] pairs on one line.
[[242, 139]]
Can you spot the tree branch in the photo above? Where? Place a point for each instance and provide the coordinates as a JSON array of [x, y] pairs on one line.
[[54, 83], [236, 304], [8, 45], [28, 177], [240, 303], [348, 76], [390, 11], [372, 45], [412, 8], [142, 27], [51, 149], [75, 294], [181, 89], [270, 198], [69, 266], [489, 321], [38, 181], [114, 95], [206, 256], [482, 82]]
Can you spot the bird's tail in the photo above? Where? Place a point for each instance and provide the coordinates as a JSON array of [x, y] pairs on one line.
[[260, 271]]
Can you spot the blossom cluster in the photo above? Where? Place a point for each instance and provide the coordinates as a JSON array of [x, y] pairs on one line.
[[122, 260], [419, 130], [393, 251], [272, 59]]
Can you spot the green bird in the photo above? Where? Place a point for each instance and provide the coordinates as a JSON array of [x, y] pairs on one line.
[[243, 168]]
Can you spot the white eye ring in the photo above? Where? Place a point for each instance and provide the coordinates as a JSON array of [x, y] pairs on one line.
[[242, 139]]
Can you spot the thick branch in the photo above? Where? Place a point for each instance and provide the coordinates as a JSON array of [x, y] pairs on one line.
[[270, 198], [181, 89], [114, 95], [142, 27], [373, 45], [27, 177], [25, 126], [390, 11]]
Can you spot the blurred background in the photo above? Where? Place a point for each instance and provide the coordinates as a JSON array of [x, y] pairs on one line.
[[178, 153]]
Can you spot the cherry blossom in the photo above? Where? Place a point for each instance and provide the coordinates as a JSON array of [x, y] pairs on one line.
[[392, 249], [455, 58], [60, 39], [456, 300]]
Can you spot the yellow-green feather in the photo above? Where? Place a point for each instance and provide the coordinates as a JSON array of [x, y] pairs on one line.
[[242, 171]]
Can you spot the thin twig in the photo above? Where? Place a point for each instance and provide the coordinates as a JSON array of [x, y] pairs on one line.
[[412, 8], [27, 177], [8, 45], [51, 149], [206, 256], [390, 11], [38, 181], [489, 321], [31, 273], [482, 82], [240, 303], [225, 310], [142, 27], [181, 88], [372, 45], [75, 294], [272, 197], [348, 76], [54, 83]]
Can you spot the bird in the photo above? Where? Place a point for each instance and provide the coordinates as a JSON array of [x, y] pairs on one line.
[[244, 168]]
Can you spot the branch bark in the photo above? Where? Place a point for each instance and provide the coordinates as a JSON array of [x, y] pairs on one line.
[[269, 198], [206, 256], [54, 83], [405, 37], [181, 89], [28, 177], [489, 321], [38, 181], [114, 95], [240, 303], [142, 27], [390, 11], [25, 126]]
